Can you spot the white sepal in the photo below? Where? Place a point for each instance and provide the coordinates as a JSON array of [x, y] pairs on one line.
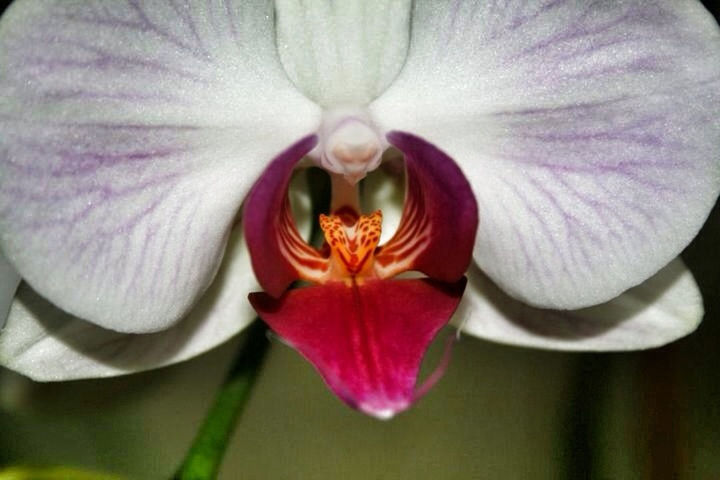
[[9, 281], [665, 307], [345, 52], [47, 344]]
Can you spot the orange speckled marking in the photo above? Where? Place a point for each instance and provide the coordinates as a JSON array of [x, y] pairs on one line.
[[352, 246]]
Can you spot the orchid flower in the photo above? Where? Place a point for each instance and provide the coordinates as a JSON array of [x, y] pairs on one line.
[[561, 154]]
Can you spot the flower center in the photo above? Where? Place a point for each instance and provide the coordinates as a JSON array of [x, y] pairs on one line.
[[352, 240], [364, 330]]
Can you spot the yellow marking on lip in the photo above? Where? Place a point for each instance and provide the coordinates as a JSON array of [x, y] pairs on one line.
[[353, 246]]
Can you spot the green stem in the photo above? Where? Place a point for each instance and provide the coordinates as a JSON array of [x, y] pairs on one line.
[[205, 455], [204, 458]]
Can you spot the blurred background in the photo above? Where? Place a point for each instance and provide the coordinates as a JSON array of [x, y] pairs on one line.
[[500, 412]]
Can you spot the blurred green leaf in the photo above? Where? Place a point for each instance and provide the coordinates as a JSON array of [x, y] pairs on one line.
[[53, 473]]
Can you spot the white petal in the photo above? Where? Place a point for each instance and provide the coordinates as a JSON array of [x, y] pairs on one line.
[[9, 281], [344, 52], [662, 309], [131, 132], [590, 132], [47, 344]]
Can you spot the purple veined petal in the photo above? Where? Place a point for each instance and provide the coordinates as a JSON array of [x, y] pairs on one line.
[[663, 308], [440, 217], [366, 341], [9, 281], [46, 344], [131, 132], [589, 134], [343, 53]]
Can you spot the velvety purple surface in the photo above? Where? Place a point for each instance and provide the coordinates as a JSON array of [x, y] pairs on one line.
[[263, 218], [438, 197]]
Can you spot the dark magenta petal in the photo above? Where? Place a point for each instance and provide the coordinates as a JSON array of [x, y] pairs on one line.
[[440, 217], [366, 341], [268, 223]]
